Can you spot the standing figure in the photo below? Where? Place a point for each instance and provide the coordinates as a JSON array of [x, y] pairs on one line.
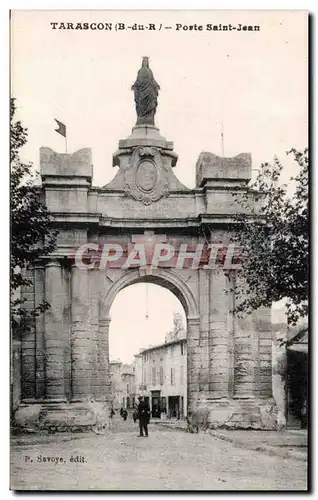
[[143, 416], [135, 414], [146, 91]]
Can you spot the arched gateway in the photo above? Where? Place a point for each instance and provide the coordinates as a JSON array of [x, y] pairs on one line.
[[109, 239]]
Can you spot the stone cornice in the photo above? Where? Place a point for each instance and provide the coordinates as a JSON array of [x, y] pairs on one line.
[[93, 219]]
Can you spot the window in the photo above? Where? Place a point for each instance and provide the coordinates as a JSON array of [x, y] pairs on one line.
[[181, 375], [153, 375], [182, 348], [161, 375], [172, 376]]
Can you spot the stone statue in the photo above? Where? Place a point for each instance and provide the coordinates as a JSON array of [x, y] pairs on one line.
[[146, 92]]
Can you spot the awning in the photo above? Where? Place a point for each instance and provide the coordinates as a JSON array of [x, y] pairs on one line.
[[298, 348]]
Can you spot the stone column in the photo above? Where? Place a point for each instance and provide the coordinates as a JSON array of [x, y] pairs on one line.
[[94, 276], [54, 366], [219, 336], [245, 350], [39, 291], [66, 275], [80, 336], [193, 362], [204, 304], [263, 365], [28, 344], [231, 328], [103, 360]]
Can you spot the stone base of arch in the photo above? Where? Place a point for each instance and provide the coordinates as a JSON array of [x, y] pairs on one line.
[[83, 416], [249, 413]]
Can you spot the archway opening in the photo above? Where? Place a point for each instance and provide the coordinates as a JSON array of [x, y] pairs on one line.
[[148, 350]]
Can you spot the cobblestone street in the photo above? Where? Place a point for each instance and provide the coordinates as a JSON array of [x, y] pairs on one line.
[[166, 460]]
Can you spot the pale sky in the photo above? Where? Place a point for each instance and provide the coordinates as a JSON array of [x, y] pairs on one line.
[[256, 83], [130, 330]]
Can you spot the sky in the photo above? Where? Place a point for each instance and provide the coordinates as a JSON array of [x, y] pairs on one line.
[[130, 329], [254, 83]]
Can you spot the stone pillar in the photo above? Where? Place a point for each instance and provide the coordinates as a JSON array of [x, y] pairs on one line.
[[103, 360], [39, 291], [231, 328], [245, 351], [193, 362], [219, 336], [263, 367], [204, 304], [28, 344], [66, 276], [54, 366], [80, 335], [94, 276]]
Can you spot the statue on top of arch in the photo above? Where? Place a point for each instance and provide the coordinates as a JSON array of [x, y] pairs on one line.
[[146, 91]]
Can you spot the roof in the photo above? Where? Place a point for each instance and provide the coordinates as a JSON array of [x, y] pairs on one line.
[[299, 342], [294, 334], [164, 344]]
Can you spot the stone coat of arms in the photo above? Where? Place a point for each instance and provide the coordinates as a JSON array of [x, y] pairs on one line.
[[146, 178]]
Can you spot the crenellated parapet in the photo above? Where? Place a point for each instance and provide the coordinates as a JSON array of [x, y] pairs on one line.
[[66, 179], [213, 170], [55, 167]]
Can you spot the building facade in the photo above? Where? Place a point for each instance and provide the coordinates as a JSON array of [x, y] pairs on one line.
[[290, 373], [123, 389], [162, 377]]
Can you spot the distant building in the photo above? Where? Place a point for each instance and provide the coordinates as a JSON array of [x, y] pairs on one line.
[[297, 377], [290, 371], [161, 376], [122, 384]]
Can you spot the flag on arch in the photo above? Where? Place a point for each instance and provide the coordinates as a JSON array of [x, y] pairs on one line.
[[61, 128]]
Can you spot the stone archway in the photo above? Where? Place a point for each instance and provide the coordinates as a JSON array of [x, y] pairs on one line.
[[160, 276], [65, 356], [175, 284]]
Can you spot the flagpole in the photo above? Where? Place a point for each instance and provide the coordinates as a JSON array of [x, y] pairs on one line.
[[222, 138]]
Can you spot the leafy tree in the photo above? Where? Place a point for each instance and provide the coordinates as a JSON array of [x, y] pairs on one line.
[[32, 235], [274, 241]]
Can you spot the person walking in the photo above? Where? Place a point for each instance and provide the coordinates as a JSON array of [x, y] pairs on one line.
[[143, 416]]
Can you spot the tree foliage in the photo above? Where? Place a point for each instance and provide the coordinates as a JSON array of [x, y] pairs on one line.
[[274, 241], [32, 235]]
